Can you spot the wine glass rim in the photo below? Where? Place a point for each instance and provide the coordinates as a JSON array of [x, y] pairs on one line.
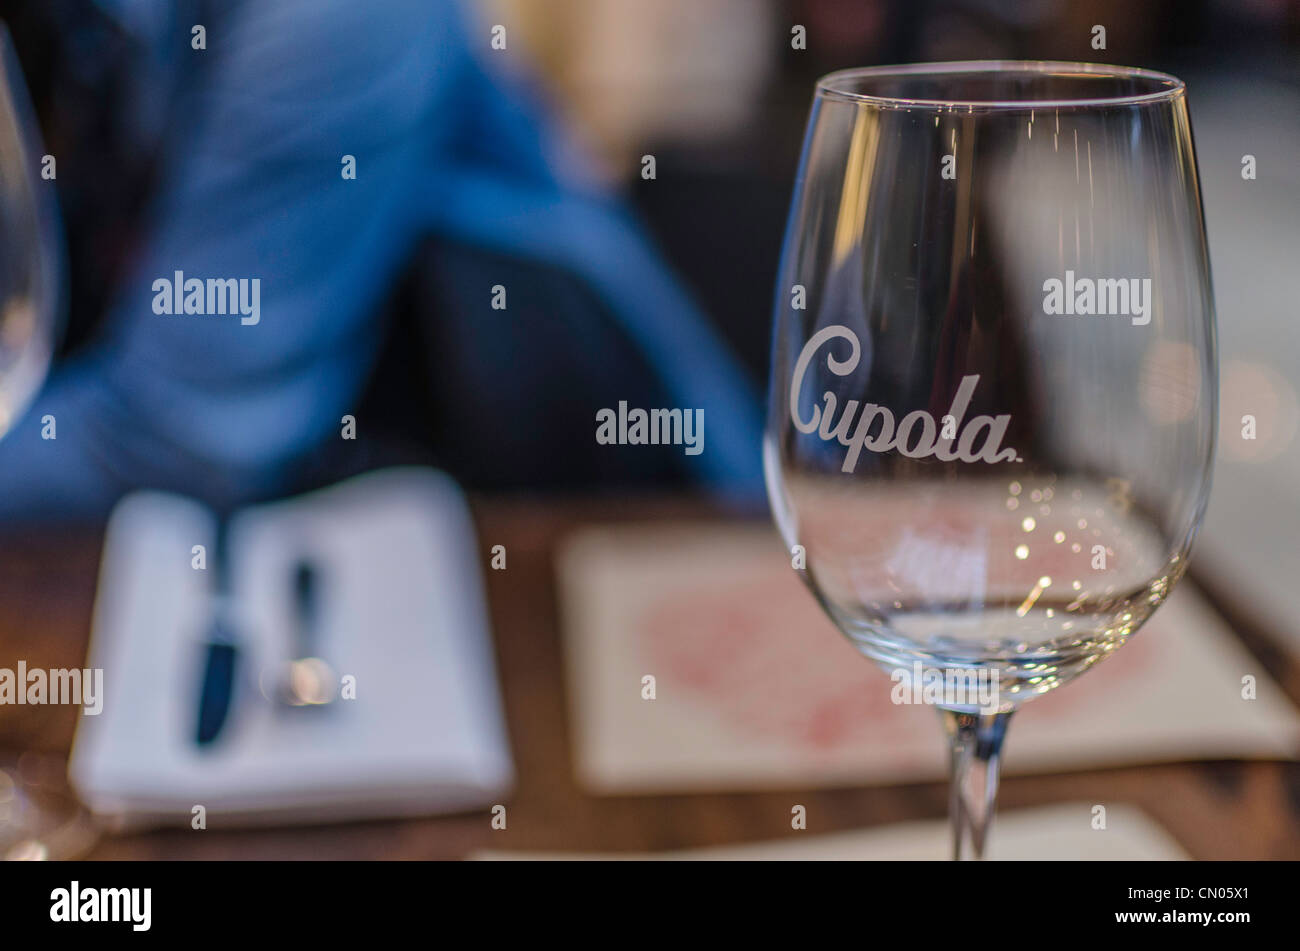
[[832, 85]]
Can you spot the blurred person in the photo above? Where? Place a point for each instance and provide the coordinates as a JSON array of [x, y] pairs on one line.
[[460, 174]]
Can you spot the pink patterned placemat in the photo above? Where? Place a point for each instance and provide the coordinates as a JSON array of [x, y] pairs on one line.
[[755, 688]]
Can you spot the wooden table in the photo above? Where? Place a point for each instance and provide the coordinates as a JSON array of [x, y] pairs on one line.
[[1222, 810]]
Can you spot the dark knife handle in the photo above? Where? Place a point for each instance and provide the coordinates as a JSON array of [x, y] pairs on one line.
[[222, 658]]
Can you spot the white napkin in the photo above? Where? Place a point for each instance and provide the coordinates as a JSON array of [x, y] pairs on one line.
[[401, 610]]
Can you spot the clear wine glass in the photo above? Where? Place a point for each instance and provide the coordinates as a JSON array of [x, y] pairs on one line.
[[39, 817], [994, 379], [31, 248]]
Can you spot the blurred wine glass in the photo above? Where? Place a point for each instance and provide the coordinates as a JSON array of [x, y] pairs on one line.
[[39, 817], [994, 383], [31, 250]]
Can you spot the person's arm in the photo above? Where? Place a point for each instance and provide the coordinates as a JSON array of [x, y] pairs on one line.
[[252, 189]]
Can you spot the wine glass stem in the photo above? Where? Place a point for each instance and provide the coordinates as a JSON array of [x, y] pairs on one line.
[[975, 740]]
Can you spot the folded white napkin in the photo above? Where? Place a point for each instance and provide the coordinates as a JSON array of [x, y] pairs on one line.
[[401, 610]]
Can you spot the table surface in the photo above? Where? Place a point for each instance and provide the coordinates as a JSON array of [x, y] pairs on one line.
[[1219, 810]]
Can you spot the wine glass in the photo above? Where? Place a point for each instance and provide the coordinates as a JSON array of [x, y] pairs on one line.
[[39, 817], [31, 249], [993, 397]]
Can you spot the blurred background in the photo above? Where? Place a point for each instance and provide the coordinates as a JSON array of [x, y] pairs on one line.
[[655, 290], [716, 91]]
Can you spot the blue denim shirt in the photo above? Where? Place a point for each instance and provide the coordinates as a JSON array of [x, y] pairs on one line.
[[447, 144]]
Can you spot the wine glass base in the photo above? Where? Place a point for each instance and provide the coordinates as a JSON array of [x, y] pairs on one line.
[[40, 817]]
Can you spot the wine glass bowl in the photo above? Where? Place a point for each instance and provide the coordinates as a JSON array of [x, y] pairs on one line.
[[993, 398]]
